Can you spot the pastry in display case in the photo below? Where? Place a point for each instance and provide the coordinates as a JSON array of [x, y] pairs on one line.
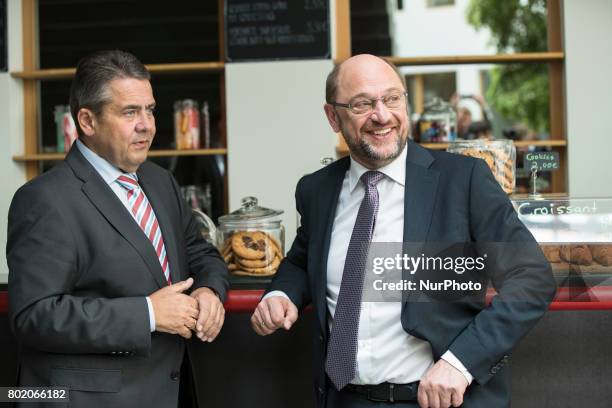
[[251, 240], [575, 235]]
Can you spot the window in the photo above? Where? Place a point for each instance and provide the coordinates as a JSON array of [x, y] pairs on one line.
[[436, 3]]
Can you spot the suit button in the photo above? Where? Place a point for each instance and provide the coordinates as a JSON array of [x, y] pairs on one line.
[[175, 375], [320, 390], [321, 338]]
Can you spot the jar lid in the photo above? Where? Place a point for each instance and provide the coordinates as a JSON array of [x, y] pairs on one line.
[[437, 105], [185, 103], [250, 211]]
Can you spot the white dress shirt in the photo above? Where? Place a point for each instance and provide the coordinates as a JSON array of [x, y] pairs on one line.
[[109, 174], [385, 352]]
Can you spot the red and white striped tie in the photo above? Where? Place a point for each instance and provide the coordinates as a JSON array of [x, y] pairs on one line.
[[145, 217]]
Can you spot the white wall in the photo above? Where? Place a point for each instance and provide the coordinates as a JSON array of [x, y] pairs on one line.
[[444, 30], [12, 175], [588, 67], [419, 31], [276, 131]]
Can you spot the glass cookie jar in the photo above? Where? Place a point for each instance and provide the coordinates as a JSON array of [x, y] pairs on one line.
[[437, 124], [500, 156], [251, 239]]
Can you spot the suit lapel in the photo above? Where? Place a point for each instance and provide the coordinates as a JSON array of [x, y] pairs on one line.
[[105, 200], [419, 193], [419, 200], [156, 198], [328, 202]]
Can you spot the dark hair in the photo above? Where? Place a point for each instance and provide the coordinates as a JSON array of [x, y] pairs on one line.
[[89, 87], [331, 85]]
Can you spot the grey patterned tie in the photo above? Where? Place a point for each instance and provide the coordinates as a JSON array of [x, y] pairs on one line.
[[341, 362]]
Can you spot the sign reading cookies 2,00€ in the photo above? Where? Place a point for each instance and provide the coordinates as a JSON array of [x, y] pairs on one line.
[[276, 29], [3, 38]]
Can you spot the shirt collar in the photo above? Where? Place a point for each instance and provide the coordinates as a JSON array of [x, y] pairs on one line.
[[108, 172], [396, 170]]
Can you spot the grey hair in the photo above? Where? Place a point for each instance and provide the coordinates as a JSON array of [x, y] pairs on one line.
[[89, 88]]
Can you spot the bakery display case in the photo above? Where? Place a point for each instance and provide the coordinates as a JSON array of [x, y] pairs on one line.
[[575, 235]]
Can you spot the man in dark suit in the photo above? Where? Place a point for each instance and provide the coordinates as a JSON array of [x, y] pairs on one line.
[[103, 253], [426, 353]]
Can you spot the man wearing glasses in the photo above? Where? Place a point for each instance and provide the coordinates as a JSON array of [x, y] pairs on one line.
[[371, 354]]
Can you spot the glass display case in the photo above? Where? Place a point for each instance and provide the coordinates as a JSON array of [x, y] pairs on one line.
[[575, 235]]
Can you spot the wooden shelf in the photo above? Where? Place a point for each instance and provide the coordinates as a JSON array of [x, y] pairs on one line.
[[343, 150], [218, 66], [530, 57], [152, 153], [64, 73]]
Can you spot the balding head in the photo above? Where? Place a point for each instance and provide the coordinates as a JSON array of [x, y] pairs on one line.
[[356, 65], [366, 102]]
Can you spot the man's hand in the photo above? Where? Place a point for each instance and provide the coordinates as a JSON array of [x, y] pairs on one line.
[[212, 314], [175, 312], [273, 313], [442, 386]]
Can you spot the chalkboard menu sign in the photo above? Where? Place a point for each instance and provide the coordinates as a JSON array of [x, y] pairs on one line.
[[276, 29], [542, 161], [3, 38]]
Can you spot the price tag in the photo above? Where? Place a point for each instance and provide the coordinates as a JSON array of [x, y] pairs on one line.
[[541, 161]]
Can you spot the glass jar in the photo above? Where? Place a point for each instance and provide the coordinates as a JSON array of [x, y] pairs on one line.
[[198, 197], [438, 123], [186, 124], [207, 227], [500, 156], [251, 239]]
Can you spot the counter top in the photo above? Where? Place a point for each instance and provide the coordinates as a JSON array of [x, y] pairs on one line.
[[575, 298]]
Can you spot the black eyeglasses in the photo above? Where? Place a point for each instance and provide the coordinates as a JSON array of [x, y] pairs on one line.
[[364, 105]]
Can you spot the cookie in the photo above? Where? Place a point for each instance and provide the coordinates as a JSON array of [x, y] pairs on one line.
[[576, 254], [251, 245], [227, 247], [500, 163], [271, 268], [276, 246], [602, 254], [481, 154], [551, 252], [254, 263]]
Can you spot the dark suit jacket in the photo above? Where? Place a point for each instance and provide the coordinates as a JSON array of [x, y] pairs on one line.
[[448, 198], [80, 268]]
